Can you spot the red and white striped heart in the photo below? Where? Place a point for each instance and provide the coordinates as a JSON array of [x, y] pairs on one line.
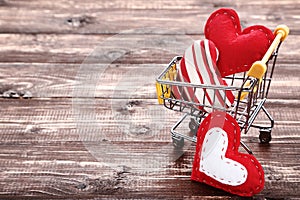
[[198, 66], [217, 161]]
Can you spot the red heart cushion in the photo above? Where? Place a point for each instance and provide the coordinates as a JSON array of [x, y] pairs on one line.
[[217, 161], [238, 49]]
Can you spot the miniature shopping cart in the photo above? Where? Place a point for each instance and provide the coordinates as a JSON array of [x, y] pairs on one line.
[[250, 88]]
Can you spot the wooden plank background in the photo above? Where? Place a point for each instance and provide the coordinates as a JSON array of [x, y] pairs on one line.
[[93, 128]]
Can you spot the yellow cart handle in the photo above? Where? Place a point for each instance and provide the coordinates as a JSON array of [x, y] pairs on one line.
[[258, 68]]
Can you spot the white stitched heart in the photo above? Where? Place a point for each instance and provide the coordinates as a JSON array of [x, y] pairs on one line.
[[213, 162]]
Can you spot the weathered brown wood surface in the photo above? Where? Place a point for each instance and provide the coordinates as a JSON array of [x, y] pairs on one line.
[[93, 129]]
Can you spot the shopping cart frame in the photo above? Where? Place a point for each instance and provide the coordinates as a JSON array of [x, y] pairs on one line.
[[250, 99]]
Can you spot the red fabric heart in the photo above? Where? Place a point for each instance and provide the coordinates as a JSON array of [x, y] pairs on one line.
[[217, 161], [238, 49]]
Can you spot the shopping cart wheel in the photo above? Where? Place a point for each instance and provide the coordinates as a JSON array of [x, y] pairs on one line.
[[265, 136], [178, 142], [193, 125]]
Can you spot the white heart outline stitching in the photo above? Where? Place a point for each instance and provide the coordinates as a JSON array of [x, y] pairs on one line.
[[213, 156]]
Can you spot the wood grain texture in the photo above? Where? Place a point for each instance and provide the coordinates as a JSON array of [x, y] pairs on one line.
[[48, 157], [93, 129], [109, 17], [33, 116], [129, 47], [112, 80]]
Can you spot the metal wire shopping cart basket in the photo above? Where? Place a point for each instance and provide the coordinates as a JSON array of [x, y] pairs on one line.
[[251, 92]]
